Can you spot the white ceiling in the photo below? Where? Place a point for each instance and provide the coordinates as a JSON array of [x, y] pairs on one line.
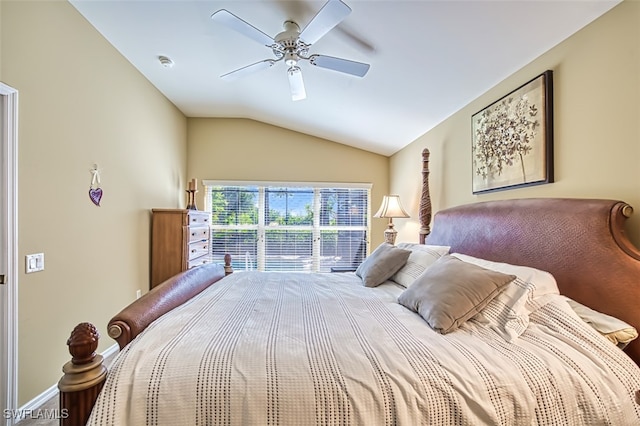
[[428, 58]]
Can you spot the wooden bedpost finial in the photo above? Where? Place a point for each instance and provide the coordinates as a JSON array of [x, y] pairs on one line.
[[83, 343], [425, 199], [228, 269], [83, 376]]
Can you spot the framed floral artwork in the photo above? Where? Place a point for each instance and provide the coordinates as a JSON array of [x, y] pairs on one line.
[[513, 138]]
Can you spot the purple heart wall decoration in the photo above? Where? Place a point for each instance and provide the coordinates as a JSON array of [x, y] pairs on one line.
[[95, 195]]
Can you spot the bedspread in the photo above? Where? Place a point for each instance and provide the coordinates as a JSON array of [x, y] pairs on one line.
[[321, 349]]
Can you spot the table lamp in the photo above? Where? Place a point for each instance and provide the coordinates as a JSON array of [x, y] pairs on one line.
[[391, 208]]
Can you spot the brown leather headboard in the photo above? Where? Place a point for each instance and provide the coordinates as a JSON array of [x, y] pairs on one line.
[[581, 242]]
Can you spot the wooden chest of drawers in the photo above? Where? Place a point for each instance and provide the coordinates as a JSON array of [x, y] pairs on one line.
[[179, 241]]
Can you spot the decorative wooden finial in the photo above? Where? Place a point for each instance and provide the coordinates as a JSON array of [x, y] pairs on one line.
[[83, 343], [425, 200], [83, 376], [228, 269]]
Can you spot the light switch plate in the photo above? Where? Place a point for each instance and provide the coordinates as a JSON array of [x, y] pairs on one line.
[[34, 262]]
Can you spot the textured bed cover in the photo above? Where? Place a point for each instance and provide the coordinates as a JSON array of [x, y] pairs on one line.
[[304, 349]]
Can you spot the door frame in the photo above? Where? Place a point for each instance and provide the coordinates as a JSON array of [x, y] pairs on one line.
[[9, 246]]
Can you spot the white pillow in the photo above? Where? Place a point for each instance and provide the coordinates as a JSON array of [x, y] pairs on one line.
[[422, 256], [423, 247], [508, 313], [615, 330]]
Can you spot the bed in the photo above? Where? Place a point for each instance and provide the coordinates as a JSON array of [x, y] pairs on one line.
[[295, 348]]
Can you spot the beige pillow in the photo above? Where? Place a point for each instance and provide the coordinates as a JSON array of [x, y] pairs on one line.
[[380, 265], [422, 256], [451, 291]]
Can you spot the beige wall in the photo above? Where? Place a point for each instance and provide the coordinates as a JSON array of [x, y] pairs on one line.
[[241, 149], [80, 103], [597, 126]]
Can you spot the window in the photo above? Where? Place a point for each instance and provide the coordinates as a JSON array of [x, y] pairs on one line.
[[285, 227]]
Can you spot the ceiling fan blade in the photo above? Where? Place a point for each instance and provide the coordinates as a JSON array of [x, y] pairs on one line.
[[331, 14], [358, 69], [241, 72], [296, 84], [232, 21]]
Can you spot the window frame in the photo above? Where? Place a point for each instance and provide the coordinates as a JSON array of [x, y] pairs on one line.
[[261, 228]]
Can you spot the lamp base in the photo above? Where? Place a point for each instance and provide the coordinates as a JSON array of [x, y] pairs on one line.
[[390, 235]]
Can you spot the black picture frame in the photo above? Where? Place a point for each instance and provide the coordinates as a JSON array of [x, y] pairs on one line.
[[512, 138]]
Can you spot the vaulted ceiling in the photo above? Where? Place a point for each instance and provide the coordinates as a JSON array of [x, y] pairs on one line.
[[428, 58]]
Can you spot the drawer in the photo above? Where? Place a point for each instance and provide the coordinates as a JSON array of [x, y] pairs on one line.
[[198, 249], [198, 218], [198, 234], [199, 261]]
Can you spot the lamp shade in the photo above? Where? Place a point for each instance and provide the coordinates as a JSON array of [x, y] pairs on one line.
[[391, 207]]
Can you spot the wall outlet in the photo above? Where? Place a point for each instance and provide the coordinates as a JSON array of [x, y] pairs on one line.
[[138, 293], [34, 262]]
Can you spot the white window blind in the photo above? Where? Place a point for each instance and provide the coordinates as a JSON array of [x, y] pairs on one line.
[[273, 227]]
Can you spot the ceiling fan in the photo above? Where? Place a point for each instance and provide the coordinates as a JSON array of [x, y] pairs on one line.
[[292, 45]]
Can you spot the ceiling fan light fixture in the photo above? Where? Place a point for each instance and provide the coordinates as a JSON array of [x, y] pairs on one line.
[[291, 59], [296, 84]]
